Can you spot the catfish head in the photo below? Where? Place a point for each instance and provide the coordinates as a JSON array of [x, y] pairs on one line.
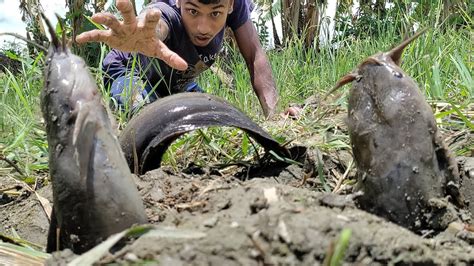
[[390, 59], [402, 163]]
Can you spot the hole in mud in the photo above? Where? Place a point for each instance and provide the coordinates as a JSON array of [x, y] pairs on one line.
[[212, 148], [4, 199], [12, 193], [269, 167], [225, 150]]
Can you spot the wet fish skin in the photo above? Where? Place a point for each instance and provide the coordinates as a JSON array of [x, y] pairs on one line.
[[151, 132], [401, 159], [93, 191]]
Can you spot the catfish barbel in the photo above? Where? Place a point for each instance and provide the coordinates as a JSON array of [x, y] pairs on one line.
[[402, 161], [93, 191]]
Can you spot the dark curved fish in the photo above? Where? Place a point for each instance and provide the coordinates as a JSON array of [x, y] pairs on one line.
[[160, 123], [401, 159], [94, 194]]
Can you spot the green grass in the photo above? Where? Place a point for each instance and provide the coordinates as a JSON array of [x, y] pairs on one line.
[[217, 146], [22, 135], [440, 61], [337, 249]]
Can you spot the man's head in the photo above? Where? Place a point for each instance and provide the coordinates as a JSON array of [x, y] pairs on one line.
[[204, 19]]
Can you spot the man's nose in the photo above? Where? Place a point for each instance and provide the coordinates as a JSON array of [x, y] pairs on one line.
[[203, 26]]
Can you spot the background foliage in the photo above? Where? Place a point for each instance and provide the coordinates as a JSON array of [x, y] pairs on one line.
[[441, 61]]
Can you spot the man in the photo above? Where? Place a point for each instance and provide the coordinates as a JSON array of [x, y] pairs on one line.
[[175, 42]]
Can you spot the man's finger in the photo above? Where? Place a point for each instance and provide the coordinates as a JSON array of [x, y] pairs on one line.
[[152, 17], [170, 58], [150, 23], [293, 112], [126, 9], [93, 36], [108, 20]]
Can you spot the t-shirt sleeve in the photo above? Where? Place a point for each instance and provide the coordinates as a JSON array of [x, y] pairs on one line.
[[114, 65], [240, 14], [169, 15]]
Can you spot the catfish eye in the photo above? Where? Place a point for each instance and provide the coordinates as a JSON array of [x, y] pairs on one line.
[[397, 74]]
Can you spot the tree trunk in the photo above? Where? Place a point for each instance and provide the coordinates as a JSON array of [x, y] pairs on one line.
[[311, 24], [76, 9], [99, 6], [379, 8], [30, 10], [276, 38], [292, 22], [295, 18], [285, 20]]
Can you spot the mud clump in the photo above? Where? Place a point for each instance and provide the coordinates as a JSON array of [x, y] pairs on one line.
[[467, 180], [222, 221], [24, 216]]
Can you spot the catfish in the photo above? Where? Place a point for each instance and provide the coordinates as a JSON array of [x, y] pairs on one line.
[[404, 169], [147, 135], [94, 195]]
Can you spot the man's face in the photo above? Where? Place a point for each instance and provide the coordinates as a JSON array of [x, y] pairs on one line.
[[204, 21]]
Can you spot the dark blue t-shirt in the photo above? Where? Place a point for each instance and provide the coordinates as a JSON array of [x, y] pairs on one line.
[[159, 75]]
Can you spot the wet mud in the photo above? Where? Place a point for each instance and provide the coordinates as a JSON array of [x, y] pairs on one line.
[[220, 219]]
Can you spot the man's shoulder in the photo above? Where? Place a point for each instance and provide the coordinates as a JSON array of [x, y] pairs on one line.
[[240, 13], [169, 2], [169, 12]]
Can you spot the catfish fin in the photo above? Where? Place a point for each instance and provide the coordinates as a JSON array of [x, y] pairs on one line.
[[396, 52]]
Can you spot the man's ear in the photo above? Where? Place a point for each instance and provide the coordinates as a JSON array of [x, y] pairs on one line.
[[231, 7]]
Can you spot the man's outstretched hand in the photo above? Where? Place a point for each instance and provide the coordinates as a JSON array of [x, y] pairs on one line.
[[133, 34]]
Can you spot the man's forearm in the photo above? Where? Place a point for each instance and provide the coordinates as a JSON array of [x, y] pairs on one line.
[[259, 67], [263, 83]]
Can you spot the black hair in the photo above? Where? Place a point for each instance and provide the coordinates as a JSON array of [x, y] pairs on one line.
[[207, 2]]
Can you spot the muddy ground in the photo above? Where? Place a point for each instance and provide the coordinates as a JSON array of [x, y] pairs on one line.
[[219, 219], [271, 215]]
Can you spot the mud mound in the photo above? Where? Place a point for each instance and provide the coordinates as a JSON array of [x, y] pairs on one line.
[[23, 215], [204, 217], [210, 219]]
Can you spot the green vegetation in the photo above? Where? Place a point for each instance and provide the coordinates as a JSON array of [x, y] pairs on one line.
[[22, 135], [337, 249], [440, 61]]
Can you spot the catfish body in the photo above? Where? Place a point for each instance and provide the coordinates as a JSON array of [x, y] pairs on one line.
[[93, 191], [402, 162], [148, 135]]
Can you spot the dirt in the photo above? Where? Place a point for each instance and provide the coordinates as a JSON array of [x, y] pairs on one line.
[[276, 214], [267, 221], [21, 213], [219, 219]]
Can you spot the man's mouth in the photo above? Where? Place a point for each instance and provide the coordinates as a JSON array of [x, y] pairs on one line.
[[202, 39]]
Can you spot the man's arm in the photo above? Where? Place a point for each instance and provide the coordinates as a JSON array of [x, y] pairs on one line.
[[134, 34], [258, 66]]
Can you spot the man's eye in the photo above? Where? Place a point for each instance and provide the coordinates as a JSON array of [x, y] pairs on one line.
[[193, 12], [216, 14]]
